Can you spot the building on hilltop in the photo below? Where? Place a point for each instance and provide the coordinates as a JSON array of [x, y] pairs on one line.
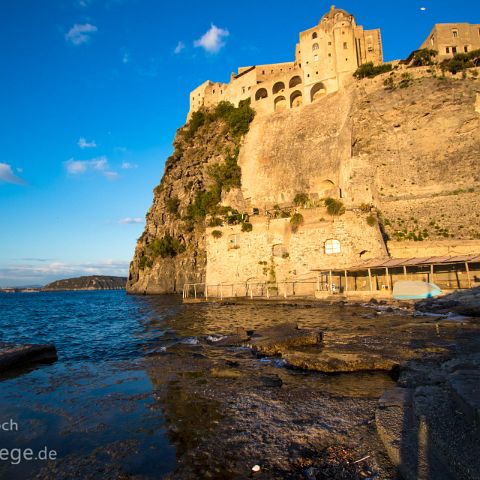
[[449, 39], [325, 56]]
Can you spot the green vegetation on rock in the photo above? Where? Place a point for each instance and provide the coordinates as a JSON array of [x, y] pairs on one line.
[[334, 207], [300, 199], [247, 227], [369, 70], [423, 57], [296, 221], [462, 61]]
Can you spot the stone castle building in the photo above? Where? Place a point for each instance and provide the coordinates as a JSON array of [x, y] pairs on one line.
[[325, 56], [449, 39]]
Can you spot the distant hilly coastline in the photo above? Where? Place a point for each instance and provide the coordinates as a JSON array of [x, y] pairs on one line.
[[93, 282]]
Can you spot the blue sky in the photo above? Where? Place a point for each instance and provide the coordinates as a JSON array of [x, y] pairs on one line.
[[92, 91]]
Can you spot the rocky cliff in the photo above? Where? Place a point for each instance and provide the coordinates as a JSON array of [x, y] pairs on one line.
[[410, 152], [201, 172]]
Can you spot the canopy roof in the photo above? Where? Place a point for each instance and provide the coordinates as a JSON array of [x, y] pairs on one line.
[[407, 262]]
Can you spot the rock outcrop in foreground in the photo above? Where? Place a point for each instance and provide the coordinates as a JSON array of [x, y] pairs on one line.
[[95, 282]]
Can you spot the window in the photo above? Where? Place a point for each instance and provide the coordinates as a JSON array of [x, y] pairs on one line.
[[315, 57], [263, 72], [345, 45], [329, 54], [432, 40], [315, 46], [329, 43], [465, 48], [447, 50], [332, 246], [234, 241], [454, 50], [455, 33], [314, 35]]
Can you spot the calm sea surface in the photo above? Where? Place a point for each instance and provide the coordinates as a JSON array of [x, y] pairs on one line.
[[97, 394], [110, 406]]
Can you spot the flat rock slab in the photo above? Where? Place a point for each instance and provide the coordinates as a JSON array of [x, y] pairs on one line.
[[334, 362], [277, 340], [15, 355], [465, 385]]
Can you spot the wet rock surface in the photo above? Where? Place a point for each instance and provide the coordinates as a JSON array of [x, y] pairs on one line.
[[15, 356], [462, 302], [204, 401]]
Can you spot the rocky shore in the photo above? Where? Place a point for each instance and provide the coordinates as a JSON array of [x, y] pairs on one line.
[[385, 391]]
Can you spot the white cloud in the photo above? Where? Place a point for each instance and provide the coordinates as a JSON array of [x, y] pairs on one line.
[[422, 9], [7, 175], [110, 175], [82, 143], [126, 58], [130, 220], [212, 40], [99, 164], [128, 165], [80, 33], [180, 46]]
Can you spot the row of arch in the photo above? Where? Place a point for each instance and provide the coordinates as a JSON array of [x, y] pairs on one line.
[[278, 87], [296, 97]]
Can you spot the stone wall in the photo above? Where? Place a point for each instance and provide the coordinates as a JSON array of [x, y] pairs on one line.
[[433, 248], [271, 252]]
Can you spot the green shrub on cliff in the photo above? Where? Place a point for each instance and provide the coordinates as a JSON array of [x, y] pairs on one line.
[[334, 207], [369, 70], [247, 227], [226, 175], [166, 246], [424, 57], [300, 199], [237, 119], [296, 221], [172, 204], [462, 61], [216, 234]]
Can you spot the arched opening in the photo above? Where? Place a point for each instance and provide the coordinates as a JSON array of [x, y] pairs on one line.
[[280, 103], [317, 91], [327, 188], [294, 81], [315, 46], [278, 87], [314, 35], [296, 99], [261, 93]]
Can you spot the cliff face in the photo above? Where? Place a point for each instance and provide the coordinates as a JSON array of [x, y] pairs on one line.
[[412, 153], [171, 250]]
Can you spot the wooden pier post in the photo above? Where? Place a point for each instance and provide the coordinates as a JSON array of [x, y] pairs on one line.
[[370, 279], [468, 275]]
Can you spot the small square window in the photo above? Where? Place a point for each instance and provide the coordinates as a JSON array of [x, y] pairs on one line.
[[345, 45], [455, 33], [447, 50], [454, 49], [465, 48]]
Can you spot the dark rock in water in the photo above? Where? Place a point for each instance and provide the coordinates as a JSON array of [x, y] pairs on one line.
[[278, 339], [15, 356]]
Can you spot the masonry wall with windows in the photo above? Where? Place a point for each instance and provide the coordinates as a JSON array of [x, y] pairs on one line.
[[325, 56], [273, 252], [449, 39]]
